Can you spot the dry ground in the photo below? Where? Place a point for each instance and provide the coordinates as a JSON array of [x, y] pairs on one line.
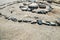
[[10, 30]]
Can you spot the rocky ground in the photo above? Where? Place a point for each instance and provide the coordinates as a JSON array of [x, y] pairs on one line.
[[11, 30]]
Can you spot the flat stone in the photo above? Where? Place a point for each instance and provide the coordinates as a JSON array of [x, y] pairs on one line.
[[43, 21], [42, 6], [47, 23], [33, 6], [53, 24], [19, 21], [40, 11], [34, 22], [6, 17], [58, 21], [26, 3], [13, 19], [24, 9]]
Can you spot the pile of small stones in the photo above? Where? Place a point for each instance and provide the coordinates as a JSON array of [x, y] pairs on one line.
[[36, 7], [39, 22]]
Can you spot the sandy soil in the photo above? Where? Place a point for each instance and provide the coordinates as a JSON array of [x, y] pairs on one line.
[[10, 30]]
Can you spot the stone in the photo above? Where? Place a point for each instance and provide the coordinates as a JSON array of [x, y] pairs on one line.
[[27, 20], [49, 8], [42, 5], [6, 17], [0, 14], [49, 1], [29, 9], [52, 24], [47, 23], [33, 6], [58, 21], [42, 12], [34, 22], [24, 9], [13, 19], [36, 17], [26, 3], [39, 22], [56, 1], [19, 21], [43, 21]]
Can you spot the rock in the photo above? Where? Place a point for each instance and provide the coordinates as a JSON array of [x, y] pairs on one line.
[[49, 1], [34, 22], [24, 9], [44, 22], [39, 22], [6, 17], [0, 14], [52, 24], [29, 9], [42, 5], [34, 11], [33, 6], [49, 8], [27, 20], [21, 6], [36, 17], [42, 12], [26, 3], [13, 19], [56, 1], [47, 23], [58, 21], [19, 21]]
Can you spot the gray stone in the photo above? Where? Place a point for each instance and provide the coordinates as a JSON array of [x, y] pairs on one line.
[[13, 19], [29, 9], [49, 8], [42, 12], [19, 21], [26, 21], [39, 22], [44, 22], [0, 14], [6, 17], [24, 9], [33, 22], [58, 21], [26, 3], [33, 6], [47, 23], [42, 5], [52, 24]]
